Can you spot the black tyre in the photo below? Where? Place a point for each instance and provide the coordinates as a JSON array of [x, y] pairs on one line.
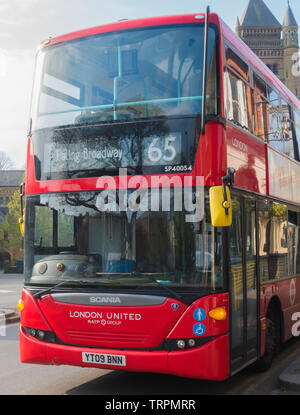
[[272, 343]]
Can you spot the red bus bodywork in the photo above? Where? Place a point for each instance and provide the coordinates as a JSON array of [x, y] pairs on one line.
[[51, 316], [219, 149]]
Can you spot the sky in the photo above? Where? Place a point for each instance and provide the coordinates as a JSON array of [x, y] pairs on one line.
[[25, 23]]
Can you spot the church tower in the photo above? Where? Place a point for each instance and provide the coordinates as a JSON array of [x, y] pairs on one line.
[[261, 31], [238, 27], [290, 51], [275, 44]]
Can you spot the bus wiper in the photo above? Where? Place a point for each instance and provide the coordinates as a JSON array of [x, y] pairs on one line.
[[48, 290], [165, 287], [144, 274]]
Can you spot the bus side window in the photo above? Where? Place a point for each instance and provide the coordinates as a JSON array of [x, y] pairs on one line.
[[273, 245], [235, 62], [267, 111], [293, 243], [286, 142], [298, 245], [259, 111], [297, 134], [239, 108], [264, 242], [236, 100], [274, 116]]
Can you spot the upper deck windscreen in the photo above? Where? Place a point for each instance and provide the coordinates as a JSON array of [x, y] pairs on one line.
[[124, 75]]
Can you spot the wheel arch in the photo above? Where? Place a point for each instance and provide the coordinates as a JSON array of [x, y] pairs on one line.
[[275, 309]]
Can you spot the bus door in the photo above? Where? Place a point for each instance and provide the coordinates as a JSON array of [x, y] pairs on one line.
[[243, 283]]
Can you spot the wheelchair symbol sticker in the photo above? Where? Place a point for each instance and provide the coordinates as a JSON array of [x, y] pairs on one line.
[[199, 329], [199, 314]]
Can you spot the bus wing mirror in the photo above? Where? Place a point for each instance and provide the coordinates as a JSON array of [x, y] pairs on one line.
[[220, 208], [22, 223]]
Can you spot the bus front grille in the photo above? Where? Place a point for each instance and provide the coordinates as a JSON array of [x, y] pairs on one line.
[[105, 336]]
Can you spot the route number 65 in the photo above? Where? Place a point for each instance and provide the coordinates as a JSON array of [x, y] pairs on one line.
[[168, 154]]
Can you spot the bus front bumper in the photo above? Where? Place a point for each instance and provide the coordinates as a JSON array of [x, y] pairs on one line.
[[210, 361]]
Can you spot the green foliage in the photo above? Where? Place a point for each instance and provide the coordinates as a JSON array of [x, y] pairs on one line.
[[43, 231], [280, 211], [10, 227]]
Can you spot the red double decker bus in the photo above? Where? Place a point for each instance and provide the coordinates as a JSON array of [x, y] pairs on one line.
[[162, 203]]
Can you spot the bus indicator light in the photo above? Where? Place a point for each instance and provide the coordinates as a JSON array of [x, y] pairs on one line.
[[20, 305], [218, 313]]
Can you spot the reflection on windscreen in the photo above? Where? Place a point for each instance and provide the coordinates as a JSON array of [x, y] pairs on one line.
[[124, 75], [69, 229]]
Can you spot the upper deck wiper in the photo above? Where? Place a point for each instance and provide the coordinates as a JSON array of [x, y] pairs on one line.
[[88, 172], [73, 173]]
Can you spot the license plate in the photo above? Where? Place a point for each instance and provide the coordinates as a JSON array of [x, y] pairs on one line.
[[104, 359]]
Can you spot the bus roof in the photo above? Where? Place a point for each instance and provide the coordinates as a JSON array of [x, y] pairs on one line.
[[131, 24]]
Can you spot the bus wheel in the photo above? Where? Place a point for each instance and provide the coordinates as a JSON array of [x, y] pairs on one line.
[[272, 337]]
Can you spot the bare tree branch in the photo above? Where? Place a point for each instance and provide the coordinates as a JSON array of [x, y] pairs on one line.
[[6, 162]]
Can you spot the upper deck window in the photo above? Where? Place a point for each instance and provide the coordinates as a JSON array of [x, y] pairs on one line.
[[236, 100], [261, 86], [123, 75], [236, 63], [287, 132]]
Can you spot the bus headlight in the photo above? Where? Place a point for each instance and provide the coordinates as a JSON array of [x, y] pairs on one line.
[[180, 344], [43, 335], [43, 268], [40, 334], [192, 342]]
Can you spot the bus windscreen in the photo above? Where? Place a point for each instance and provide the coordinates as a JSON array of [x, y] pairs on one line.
[[124, 75], [73, 236]]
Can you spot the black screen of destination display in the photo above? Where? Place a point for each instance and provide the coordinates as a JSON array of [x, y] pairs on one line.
[[142, 148]]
